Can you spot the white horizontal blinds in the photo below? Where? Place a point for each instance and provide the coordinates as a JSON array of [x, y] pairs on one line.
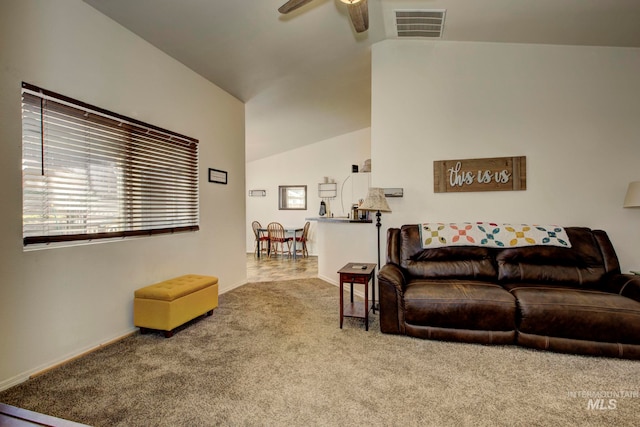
[[90, 174]]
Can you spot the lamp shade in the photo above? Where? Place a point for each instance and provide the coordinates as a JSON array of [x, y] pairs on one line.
[[375, 201], [632, 199]]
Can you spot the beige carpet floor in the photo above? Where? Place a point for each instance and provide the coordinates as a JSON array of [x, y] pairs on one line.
[[273, 355]]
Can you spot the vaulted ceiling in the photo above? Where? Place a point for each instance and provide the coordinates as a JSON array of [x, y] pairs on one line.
[[305, 76]]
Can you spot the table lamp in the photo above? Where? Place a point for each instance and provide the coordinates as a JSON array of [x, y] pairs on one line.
[[376, 201]]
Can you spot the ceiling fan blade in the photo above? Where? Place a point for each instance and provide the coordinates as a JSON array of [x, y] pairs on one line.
[[292, 5], [359, 14]]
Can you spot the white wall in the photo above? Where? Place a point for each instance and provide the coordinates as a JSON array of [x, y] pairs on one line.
[[308, 166], [572, 111], [56, 303]]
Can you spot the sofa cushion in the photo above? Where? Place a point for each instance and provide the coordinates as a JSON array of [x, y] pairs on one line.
[[582, 265], [462, 262], [459, 304], [578, 314]]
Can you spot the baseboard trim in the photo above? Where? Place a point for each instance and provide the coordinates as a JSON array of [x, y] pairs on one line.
[[335, 283], [46, 367], [82, 354], [43, 369], [225, 289], [329, 280]]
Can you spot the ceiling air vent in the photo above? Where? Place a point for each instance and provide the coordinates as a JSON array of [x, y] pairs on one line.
[[420, 23]]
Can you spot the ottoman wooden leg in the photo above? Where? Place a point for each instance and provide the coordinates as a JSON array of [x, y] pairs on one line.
[[144, 331], [210, 313], [168, 334]]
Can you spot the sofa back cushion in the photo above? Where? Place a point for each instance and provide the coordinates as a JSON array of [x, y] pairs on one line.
[[581, 265], [585, 264], [456, 262]]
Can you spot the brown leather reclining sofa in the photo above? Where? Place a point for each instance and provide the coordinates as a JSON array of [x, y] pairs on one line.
[[571, 300]]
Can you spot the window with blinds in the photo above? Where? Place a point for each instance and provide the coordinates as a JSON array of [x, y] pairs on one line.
[[88, 173]]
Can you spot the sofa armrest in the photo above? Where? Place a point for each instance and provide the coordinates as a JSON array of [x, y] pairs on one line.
[[391, 282], [627, 285], [393, 275]]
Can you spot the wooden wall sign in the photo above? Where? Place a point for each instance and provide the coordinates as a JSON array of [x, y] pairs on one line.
[[491, 174]]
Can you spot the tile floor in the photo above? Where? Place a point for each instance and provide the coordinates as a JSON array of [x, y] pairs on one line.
[[280, 268]]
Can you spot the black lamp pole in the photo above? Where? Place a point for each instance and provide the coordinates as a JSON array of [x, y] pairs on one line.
[[378, 225]]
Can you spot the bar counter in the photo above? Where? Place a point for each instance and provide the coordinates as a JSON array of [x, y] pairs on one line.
[[341, 240], [339, 220]]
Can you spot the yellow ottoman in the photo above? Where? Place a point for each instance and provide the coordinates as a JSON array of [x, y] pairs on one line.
[[169, 304]]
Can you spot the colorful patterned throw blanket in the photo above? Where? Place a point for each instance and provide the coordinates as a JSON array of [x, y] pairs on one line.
[[439, 234]]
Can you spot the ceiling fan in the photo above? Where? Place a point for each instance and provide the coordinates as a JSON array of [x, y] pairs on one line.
[[358, 11]]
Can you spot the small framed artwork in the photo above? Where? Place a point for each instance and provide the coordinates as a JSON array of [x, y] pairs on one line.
[[217, 176], [292, 197]]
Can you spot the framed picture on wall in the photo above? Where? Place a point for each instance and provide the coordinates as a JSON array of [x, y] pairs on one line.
[[292, 197], [217, 176]]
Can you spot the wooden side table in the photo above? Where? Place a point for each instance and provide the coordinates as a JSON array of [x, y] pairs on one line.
[[361, 273]]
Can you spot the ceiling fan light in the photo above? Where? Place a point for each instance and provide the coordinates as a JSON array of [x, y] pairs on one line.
[[350, 1]]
